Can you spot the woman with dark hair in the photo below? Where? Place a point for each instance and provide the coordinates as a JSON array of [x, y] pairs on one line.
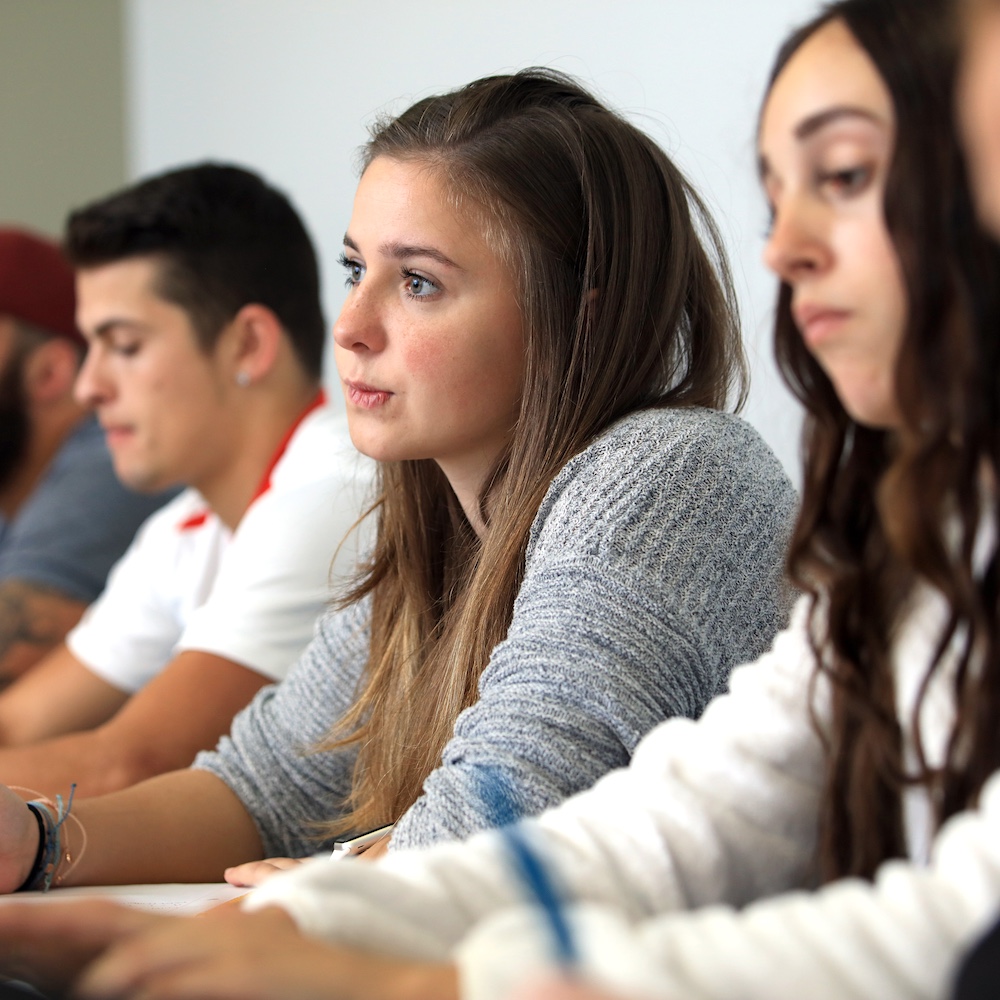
[[574, 541], [834, 820]]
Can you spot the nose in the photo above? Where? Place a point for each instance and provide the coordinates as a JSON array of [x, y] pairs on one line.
[[796, 245], [360, 327], [92, 386]]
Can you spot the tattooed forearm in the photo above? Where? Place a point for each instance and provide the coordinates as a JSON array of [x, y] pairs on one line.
[[33, 620]]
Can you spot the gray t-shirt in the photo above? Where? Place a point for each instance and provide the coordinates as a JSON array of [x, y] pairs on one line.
[[77, 523], [655, 565]]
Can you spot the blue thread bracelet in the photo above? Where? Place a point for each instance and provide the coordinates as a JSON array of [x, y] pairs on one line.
[[36, 865], [50, 854]]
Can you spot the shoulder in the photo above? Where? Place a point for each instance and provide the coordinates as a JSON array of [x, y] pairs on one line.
[[321, 451], [315, 496], [185, 517], [676, 438], [667, 466]]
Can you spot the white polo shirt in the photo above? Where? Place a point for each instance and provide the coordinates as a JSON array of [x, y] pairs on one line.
[[251, 596]]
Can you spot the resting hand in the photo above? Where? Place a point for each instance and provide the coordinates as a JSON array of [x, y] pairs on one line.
[[48, 944], [227, 955], [18, 840], [561, 989], [254, 873]]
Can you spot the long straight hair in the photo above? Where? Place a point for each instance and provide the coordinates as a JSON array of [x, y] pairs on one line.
[[883, 509], [626, 303]]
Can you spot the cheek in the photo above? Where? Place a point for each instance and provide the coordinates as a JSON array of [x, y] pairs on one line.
[[427, 358], [979, 109], [468, 365], [885, 288], [979, 100]]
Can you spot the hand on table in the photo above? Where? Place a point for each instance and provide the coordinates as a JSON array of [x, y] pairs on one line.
[[562, 989], [254, 873], [49, 943], [228, 955]]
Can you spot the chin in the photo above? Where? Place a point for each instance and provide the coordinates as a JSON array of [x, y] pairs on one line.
[[879, 418], [143, 481]]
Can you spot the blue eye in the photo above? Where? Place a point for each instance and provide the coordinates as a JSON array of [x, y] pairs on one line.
[[417, 286], [355, 270]]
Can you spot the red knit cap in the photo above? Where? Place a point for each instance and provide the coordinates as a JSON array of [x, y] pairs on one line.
[[37, 283]]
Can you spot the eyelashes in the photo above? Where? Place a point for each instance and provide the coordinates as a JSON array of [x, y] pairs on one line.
[[418, 286], [846, 181], [355, 271], [415, 285]]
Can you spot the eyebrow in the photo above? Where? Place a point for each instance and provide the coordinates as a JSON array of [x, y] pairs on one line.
[[814, 123], [400, 251], [108, 327], [807, 128]]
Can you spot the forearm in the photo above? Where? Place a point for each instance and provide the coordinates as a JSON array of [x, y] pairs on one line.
[[185, 826], [187, 708], [89, 759], [33, 621]]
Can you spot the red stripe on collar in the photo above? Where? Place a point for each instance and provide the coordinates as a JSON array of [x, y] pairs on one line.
[[197, 519]]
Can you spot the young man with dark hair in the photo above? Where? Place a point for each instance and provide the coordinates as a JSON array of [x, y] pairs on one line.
[[64, 516], [198, 293]]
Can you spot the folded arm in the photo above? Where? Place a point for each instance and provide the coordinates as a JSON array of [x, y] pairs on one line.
[[186, 708]]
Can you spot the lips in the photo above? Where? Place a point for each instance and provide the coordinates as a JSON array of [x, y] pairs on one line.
[[367, 397], [116, 433], [818, 323]]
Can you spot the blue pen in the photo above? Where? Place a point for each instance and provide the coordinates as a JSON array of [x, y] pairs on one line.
[[495, 791]]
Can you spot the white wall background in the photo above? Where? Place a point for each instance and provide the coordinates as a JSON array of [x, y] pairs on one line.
[[288, 86]]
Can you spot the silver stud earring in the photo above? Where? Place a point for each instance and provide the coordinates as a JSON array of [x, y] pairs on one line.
[[242, 379]]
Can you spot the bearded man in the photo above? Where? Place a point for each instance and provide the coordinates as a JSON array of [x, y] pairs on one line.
[[65, 519]]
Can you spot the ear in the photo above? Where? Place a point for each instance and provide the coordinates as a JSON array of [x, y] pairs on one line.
[[254, 343], [50, 371]]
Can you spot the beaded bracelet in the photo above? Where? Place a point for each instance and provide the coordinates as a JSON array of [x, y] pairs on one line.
[[51, 854]]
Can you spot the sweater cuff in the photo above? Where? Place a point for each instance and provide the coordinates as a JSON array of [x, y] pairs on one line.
[[357, 905], [511, 949]]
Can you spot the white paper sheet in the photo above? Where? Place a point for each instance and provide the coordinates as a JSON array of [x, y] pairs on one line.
[[175, 898]]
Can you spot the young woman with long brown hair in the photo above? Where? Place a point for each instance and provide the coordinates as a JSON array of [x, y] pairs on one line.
[[574, 541], [834, 819]]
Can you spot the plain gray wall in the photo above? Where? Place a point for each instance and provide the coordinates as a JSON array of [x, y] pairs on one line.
[[288, 86]]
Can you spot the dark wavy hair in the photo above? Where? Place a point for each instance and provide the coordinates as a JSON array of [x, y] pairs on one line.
[[626, 303], [883, 510]]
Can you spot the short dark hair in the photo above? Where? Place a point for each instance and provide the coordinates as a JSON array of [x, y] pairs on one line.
[[224, 239]]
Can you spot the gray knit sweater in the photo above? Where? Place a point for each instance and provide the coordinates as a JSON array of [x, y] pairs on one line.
[[654, 566]]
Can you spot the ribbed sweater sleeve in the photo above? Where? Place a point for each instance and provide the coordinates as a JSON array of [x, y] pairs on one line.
[[268, 760], [654, 566]]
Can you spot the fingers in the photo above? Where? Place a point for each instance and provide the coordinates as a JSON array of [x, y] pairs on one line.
[[185, 957], [49, 943], [254, 873], [561, 989]]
